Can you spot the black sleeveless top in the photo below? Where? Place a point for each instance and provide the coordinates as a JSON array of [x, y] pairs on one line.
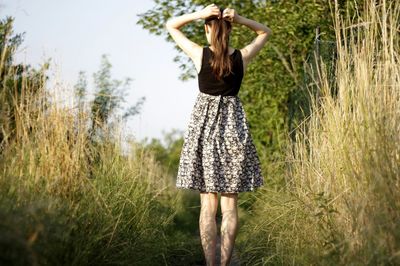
[[228, 85]]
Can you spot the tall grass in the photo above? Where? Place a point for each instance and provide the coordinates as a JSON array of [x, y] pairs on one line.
[[67, 200], [341, 205]]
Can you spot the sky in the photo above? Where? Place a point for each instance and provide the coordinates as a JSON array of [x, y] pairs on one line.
[[74, 34]]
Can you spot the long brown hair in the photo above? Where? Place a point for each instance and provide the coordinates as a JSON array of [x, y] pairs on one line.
[[220, 60]]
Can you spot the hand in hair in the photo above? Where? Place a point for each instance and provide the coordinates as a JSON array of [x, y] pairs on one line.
[[230, 14], [210, 10]]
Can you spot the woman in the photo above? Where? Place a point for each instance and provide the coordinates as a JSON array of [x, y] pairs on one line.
[[218, 153]]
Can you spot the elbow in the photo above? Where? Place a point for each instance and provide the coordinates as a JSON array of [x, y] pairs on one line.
[[268, 31], [264, 34], [168, 25]]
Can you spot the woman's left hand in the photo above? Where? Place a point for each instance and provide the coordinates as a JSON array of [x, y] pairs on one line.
[[210, 10], [230, 14]]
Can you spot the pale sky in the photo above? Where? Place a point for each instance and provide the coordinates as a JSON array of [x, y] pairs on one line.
[[74, 34]]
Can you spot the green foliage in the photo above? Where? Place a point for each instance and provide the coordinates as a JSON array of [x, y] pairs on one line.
[[167, 153], [51, 212], [107, 221], [80, 90], [109, 97], [11, 79], [339, 206], [8, 43]]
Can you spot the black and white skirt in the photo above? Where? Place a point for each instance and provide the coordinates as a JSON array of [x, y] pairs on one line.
[[218, 153]]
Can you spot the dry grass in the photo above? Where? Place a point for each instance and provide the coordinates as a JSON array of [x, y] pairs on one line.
[[68, 200], [342, 204]]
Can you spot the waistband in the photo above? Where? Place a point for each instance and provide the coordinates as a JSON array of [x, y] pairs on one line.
[[216, 101], [205, 95]]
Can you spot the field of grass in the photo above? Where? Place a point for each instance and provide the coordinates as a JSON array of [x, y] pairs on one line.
[[66, 199], [341, 202], [69, 199]]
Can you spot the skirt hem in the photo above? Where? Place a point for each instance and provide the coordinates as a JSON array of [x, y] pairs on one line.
[[251, 189]]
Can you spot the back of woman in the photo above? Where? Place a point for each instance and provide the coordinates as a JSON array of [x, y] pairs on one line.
[[218, 153], [228, 85]]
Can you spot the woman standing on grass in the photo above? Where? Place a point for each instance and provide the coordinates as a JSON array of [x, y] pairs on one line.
[[218, 154]]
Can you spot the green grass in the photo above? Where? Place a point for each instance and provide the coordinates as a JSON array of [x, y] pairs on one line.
[[341, 202], [66, 200]]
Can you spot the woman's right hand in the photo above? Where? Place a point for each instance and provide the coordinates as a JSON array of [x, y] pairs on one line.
[[210, 10], [230, 14]]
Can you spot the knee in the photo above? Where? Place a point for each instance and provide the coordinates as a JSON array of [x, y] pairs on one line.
[[229, 213], [205, 212], [209, 204]]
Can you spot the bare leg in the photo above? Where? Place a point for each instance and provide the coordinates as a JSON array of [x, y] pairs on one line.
[[208, 225], [229, 225]]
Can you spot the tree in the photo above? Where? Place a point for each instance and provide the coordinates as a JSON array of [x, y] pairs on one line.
[[18, 83], [166, 152], [108, 99], [109, 96], [80, 91]]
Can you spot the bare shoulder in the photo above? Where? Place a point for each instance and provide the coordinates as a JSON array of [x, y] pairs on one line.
[[244, 54], [196, 56], [190, 48], [196, 51], [250, 51]]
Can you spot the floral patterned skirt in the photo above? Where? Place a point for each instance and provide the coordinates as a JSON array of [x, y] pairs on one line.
[[218, 153]]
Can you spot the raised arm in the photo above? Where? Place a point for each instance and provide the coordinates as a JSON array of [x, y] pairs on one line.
[[192, 49], [263, 33]]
